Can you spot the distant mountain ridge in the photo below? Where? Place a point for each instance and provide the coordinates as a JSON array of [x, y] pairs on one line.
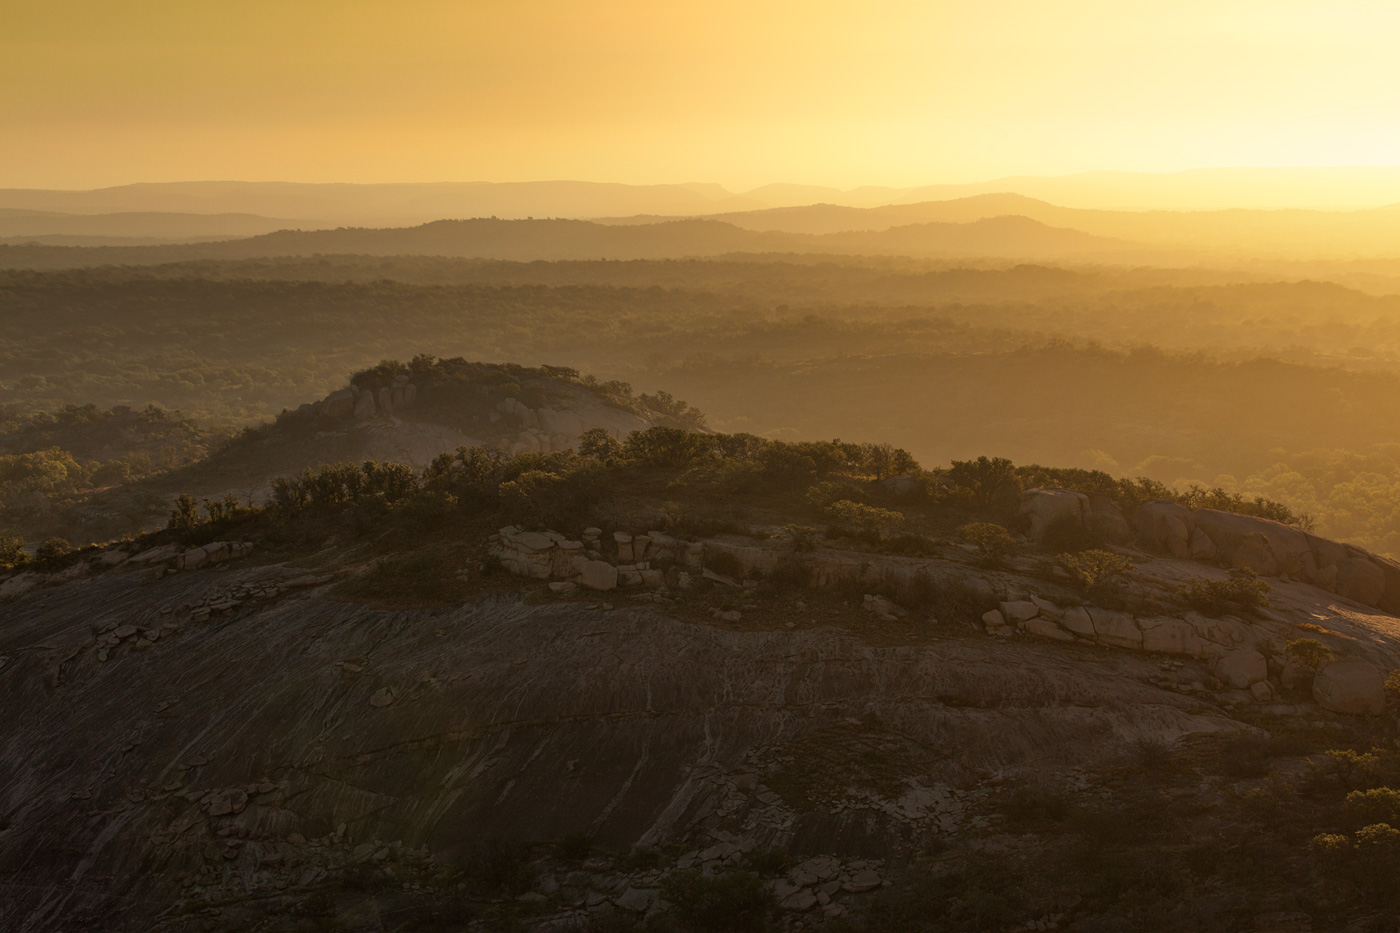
[[1369, 232], [526, 240], [15, 222], [404, 204]]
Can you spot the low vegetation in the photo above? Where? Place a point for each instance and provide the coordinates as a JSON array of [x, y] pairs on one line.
[[1243, 593]]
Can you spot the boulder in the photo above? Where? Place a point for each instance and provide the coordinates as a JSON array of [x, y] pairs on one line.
[[1350, 686], [1115, 628], [883, 607], [1252, 552], [1019, 610], [1264, 546], [598, 575], [1077, 620], [1172, 636], [532, 541], [867, 879], [994, 620], [1052, 508], [1045, 629], [364, 406], [1360, 579], [1202, 547], [386, 400], [566, 423], [1164, 526], [338, 404], [1241, 668], [1106, 520], [624, 545]]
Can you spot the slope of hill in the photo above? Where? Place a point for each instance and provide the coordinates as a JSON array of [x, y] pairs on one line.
[[86, 475], [668, 704]]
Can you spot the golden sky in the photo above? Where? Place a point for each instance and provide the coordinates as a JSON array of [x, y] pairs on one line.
[[888, 92]]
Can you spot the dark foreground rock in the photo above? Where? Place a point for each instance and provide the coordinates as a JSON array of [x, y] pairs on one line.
[[261, 747]]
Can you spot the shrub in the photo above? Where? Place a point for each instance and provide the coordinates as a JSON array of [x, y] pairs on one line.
[[1362, 770], [985, 480], [908, 546], [1392, 680], [52, 549], [1095, 570], [663, 446], [737, 902], [673, 410], [1377, 805], [801, 538], [185, 514], [1309, 653], [821, 495], [12, 553], [1243, 593], [993, 542], [600, 445], [863, 516], [1369, 858]]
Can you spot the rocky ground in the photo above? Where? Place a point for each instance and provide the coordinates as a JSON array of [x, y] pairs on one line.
[[232, 745]]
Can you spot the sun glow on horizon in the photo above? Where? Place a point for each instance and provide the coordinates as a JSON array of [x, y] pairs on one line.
[[888, 93]]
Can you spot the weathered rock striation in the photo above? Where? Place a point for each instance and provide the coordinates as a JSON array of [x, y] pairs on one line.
[[256, 750]]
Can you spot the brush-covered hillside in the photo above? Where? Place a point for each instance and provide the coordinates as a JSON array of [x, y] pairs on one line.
[[84, 474], [690, 681], [1284, 388]]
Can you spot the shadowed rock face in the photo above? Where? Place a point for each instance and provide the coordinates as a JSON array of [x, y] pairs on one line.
[[220, 749]]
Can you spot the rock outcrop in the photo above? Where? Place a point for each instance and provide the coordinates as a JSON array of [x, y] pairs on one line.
[[1350, 686], [363, 404], [636, 560], [247, 760], [1269, 548], [551, 429], [1052, 511]]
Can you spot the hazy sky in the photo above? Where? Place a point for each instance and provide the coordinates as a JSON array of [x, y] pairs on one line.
[[98, 92]]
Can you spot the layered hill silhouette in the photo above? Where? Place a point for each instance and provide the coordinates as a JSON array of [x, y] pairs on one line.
[[1310, 233], [403, 204], [491, 238]]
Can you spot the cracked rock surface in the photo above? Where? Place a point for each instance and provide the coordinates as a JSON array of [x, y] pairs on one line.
[[256, 746]]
